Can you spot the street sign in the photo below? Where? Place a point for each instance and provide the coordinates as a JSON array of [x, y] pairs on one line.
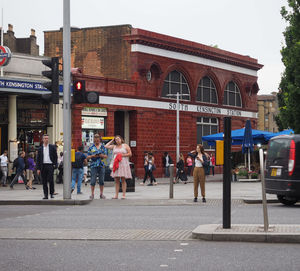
[[5, 55]]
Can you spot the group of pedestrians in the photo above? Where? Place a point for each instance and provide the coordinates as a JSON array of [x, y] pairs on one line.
[[120, 167], [149, 167], [24, 168]]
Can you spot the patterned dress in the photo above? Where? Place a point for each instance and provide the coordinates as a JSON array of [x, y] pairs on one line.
[[124, 167]]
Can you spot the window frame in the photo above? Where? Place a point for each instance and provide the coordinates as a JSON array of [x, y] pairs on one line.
[[212, 87], [227, 93], [202, 121], [182, 82]]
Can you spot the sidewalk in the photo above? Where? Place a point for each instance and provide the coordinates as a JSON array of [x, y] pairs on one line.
[[250, 192]]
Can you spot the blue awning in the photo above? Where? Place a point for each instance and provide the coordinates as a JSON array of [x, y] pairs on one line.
[[237, 137]]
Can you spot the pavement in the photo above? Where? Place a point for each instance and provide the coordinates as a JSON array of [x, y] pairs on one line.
[[246, 192]]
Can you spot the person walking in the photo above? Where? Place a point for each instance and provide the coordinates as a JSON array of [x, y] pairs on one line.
[[121, 168], [151, 168], [96, 153], [60, 162], [167, 160], [180, 170], [145, 167], [4, 168], [199, 174], [46, 163], [77, 169], [189, 162], [30, 170], [212, 164], [20, 170]]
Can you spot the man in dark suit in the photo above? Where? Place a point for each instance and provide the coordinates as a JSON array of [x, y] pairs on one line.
[[45, 164]]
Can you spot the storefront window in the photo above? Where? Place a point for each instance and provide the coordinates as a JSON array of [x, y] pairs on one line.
[[206, 126], [206, 91], [175, 82], [232, 95]]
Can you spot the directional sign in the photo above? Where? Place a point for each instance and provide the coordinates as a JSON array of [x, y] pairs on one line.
[[5, 55]]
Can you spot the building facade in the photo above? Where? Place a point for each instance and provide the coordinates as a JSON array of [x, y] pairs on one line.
[[24, 115], [267, 111], [138, 73]]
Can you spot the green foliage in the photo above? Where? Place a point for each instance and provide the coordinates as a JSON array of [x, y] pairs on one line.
[[243, 172], [289, 88]]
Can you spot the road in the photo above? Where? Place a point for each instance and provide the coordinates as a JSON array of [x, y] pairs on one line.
[[119, 235]]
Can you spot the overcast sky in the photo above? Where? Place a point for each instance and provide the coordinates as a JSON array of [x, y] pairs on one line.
[[247, 27]]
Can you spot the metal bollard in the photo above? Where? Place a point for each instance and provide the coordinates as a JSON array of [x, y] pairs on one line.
[[171, 170]]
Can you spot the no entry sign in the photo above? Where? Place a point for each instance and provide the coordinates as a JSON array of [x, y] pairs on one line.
[[5, 55]]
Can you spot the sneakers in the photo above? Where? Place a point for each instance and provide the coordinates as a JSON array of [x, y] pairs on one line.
[[79, 193], [195, 199], [155, 183], [142, 183], [203, 200], [102, 196], [150, 184]]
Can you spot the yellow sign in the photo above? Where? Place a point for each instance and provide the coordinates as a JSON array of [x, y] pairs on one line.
[[72, 155], [219, 152]]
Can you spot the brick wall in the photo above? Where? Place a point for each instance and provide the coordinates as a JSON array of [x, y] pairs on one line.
[[98, 51]]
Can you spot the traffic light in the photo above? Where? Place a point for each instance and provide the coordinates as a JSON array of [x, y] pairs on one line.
[[52, 85], [80, 95], [79, 91]]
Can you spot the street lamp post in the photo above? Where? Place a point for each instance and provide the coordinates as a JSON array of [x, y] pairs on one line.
[[177, 122]]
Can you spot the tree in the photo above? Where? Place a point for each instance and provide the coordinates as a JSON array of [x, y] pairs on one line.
[[289, 88]]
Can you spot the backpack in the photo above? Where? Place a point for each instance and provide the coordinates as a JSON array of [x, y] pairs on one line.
[[15, 163], [78, 160]]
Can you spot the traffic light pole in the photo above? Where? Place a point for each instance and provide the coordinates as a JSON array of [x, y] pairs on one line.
[[67, 99]]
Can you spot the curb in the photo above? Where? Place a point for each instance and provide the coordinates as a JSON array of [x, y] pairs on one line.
[[259, 201], [45, 202], [248, 233]]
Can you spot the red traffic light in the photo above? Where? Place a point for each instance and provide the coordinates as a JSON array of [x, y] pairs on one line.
[[78, 85]]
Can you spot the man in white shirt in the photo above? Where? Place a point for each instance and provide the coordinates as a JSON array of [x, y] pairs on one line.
[[3, 166], [45, 164]]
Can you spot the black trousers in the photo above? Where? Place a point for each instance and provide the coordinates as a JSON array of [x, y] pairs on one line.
[[47, 177]]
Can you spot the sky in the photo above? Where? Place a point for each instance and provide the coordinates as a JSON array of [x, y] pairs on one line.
[[246, 27]]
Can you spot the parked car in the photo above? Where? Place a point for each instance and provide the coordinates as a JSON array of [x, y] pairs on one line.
[[283, 168]]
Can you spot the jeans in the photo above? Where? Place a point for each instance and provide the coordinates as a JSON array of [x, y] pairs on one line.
[[4, 174], [167, 171], [77, 173], [97, 171]]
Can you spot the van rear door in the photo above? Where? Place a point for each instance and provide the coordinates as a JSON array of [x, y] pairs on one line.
[[278, 158]]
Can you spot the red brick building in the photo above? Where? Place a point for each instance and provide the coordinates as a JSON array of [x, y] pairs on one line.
[[137, 73]]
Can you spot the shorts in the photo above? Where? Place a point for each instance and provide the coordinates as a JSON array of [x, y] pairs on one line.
[[97, 172], [85, 169], [29, 174]]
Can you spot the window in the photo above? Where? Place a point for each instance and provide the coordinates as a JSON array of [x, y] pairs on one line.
[[206, 126], [206, 91], [232, 95], [175, 82]]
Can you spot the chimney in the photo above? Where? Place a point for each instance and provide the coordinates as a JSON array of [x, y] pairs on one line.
[[32, 32], [10, 28]]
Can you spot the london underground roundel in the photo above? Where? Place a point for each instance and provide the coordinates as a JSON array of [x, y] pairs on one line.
[[5, 55]]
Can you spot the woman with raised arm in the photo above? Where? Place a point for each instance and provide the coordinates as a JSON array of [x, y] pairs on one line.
[[199, 174], [121, 168]]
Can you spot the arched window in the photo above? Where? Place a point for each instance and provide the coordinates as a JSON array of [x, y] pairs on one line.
[[206, 91], [232, 95], [175, 82]]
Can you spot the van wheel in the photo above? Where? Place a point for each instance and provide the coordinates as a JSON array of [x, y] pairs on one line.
[[288, 202]]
